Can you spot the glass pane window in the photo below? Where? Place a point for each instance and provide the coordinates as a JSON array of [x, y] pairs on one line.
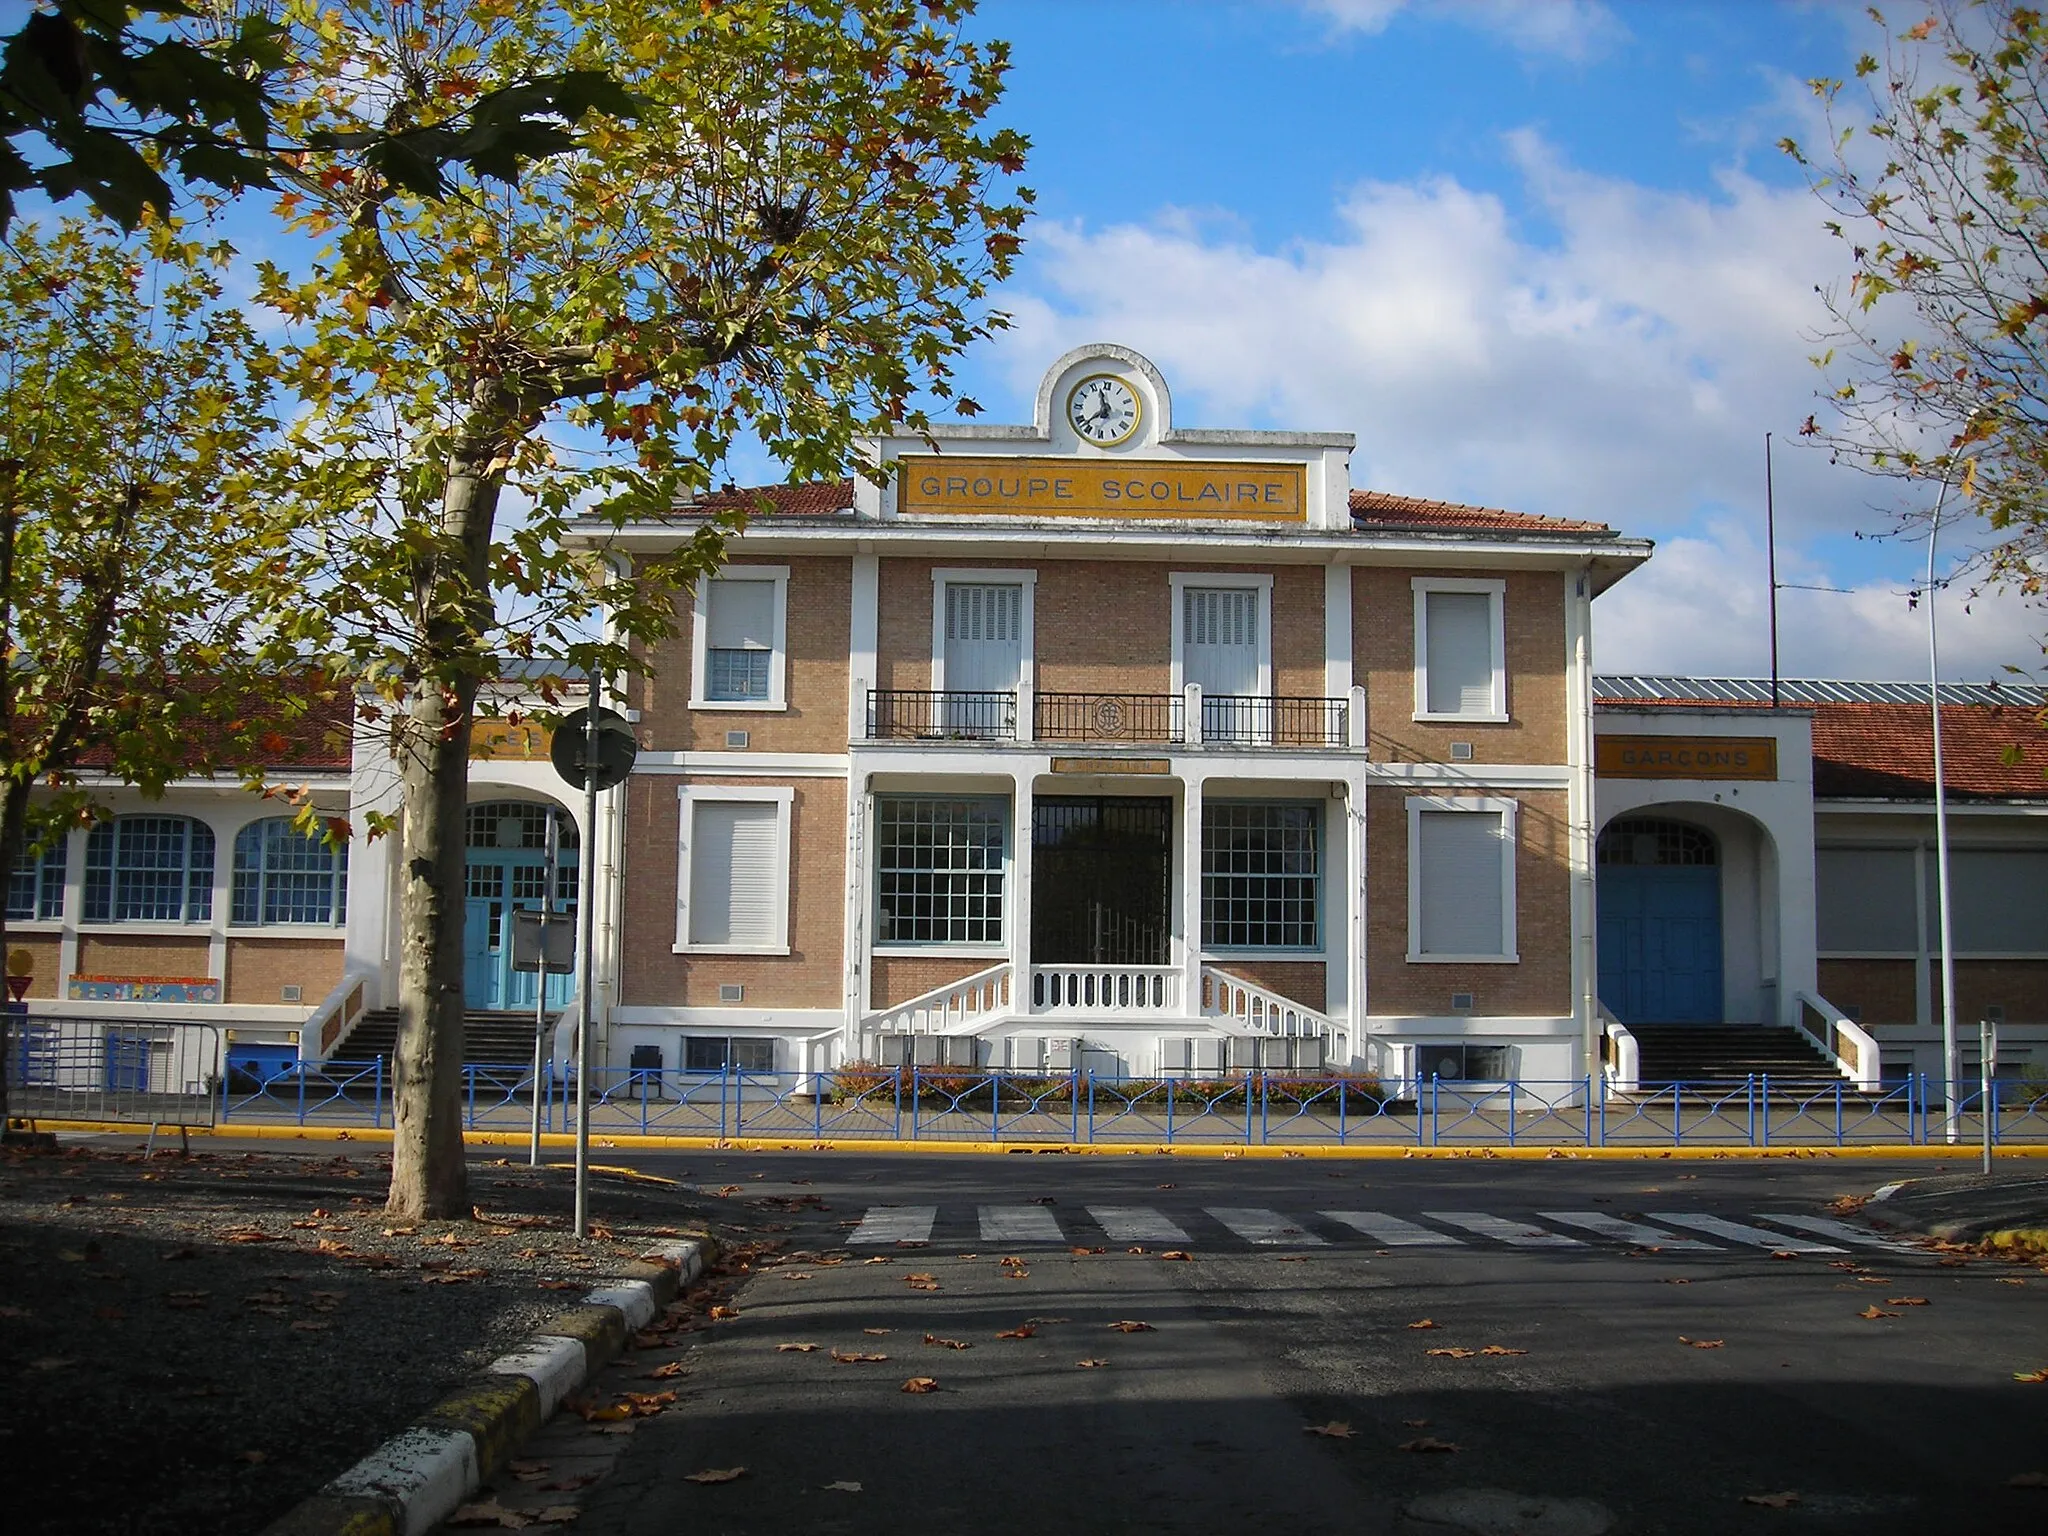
[[515, 824], [282, 875], [35, 886], [714, 1053], [1262, 875], [939, 869], [149, 869], [739, 639], [736, 675]]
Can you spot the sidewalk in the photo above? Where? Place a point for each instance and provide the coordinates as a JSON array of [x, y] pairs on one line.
[[2005, 1210]]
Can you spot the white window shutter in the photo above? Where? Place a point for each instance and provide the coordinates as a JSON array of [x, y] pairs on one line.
[[1220, 639], [742, 615], [734, 876], [1458, 651], [1864, 899], [1459, 857]]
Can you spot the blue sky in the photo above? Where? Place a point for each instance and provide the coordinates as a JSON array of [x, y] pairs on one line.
[[1544, 255]]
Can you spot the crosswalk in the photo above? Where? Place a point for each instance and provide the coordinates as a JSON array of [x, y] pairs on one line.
[[1226, 1226]]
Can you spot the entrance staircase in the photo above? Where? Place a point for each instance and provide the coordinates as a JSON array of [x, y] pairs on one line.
[[489, 1037], [1720, 1053]]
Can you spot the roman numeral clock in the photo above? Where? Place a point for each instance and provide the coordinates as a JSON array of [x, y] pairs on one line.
[[1103, 410]]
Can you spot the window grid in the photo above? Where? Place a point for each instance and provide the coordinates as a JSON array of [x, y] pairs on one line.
[[1261, 876], [35, 886], [1647, 840], [284, 876], [737, 675], [482, 824], [149, 869], [714, 1053], [939, 870]]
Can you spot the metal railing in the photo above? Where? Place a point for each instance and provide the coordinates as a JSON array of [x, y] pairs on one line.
[[127, 1071], [867, 1101], [904, 714], [1139, 717], [1250, 721]]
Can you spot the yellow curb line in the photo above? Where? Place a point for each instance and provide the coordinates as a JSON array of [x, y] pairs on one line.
[[626, 1141]]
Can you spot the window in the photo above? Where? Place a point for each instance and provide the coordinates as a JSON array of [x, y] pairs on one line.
[[284, 876], [1222, 643], [739, 638], [1460, 651], [715, 1053], [732, 878], [1261, 875], [1461, 879], [149, 869], [939, 870], [35, 886]]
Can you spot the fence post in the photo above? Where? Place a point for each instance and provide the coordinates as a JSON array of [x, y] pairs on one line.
[[1091, 1106], [1603, 1113], [1764, 1099], [1265, 1103], [1169, 1111], [1435, 1111], [1340, 1112], [739, 1099], [817, 1108], [1838, 1111], [301, 1075], [916, 1097], [1991, 1109], [377, 1097], [1074, 1103], [1511, 1111], [995, 1106], [1588, 1090]]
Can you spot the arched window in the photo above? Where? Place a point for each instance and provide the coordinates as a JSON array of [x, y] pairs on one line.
[[35, 887], [284, 876], [149, 869], [1648, 840], [516, 824]]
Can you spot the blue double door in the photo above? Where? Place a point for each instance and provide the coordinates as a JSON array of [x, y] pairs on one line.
[[1660, 942], [497, 884]]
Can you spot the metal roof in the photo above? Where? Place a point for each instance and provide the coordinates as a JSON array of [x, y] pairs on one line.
[[1621, 688]]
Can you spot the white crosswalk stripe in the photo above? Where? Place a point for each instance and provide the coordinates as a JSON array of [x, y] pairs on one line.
[[1516, 1234], [1392, 1231], [895, 1224], [1736, 1232], [1265, 1228], [1135, 1224], [1019, 1224], [1840, 1231], [1629, 1231]]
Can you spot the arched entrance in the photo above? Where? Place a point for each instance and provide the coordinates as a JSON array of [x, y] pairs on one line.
[[1660, 921], [506, 871]]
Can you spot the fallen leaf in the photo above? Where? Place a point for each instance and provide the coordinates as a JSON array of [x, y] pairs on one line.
[[1701, 1343], [1453, 1353], [1501, 1349], [878, 1332], [938, 1343], [1336, 1429], [724, 1314], [1427, 1322], [2010, 1280], [794, 1349], [1848, 1264], [2027, 1480], [310, 1325], [1676, 1280], [1175, 1253], [528, 1471], [663, 1372], [1772, 1500], [254, 1458], [490, 1512], [716, 1475], [1427, 1443], [854, 1357], [2040, 1375], [879, 1258], [1128, 1326], [918, 1384], [1415, 1423], [1906, 1301], [1043, 1200], [1874, 1311], [1783, 1253], [48, 1363], [1165, 1186], [842, 1488], [1025, 1332], [1134, 1250], [1089, 1365], [558, 1514]]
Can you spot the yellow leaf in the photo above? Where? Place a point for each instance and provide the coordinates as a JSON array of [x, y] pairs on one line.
[[715, 1475]]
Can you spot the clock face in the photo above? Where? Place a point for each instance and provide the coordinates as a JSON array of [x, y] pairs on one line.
[[1103, 409]]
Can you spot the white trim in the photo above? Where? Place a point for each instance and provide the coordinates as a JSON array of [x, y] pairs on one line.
[[1836, 807], [941, 951], [814, 1023], [994, 576], [778, 657], [687, 798], [1473, 775], [1337, 642], [1422, 586], [1177, 583], [803, 765], [1510, 838]]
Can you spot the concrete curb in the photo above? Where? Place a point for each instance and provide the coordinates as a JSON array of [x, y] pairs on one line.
[[416, 1479], [626, 1141]]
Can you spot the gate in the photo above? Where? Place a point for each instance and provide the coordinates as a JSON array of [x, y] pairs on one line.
[[124, 1070]]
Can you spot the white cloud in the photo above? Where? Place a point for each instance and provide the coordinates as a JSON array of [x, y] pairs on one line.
[[1622, 361], [1568, 29]]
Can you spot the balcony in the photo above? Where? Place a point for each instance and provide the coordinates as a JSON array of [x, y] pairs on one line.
[[1137, 719]]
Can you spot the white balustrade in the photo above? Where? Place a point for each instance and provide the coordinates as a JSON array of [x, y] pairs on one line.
[[1105, 990], [1255, 1010], [957, 1007]]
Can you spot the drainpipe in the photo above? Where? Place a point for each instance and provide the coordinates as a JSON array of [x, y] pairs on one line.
[[1579, 813]]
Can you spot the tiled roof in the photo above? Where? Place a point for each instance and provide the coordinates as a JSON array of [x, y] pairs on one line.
[[1382, 509], [1886, 751], [816, 498]]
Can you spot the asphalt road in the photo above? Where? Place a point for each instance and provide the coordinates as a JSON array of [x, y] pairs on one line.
[[1284, 1317]]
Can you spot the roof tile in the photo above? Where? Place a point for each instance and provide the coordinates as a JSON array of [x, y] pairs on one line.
[[1886, 751], [1383, 509]]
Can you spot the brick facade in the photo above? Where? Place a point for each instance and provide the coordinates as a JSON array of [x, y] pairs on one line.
[[1882, 991], [260, 969], [43, 951], [138, 954], [1301, 981], [898, 978]]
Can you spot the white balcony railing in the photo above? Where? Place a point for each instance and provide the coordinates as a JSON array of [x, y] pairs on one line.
[[1099, 990], [1253, 1009]]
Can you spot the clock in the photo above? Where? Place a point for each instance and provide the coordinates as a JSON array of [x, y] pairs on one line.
[[1103, 410]]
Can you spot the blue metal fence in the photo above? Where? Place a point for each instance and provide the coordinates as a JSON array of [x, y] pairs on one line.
[[1260, 1109]]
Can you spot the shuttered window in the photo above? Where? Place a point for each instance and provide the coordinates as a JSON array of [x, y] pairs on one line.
[[736, 879], [1460, 873], [739, 644], [1863, 900], [1458, 653], [1998, 900]]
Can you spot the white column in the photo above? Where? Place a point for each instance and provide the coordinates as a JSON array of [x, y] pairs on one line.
[[862, 635], [1359, 913], [857, 950], [1191, 890], [1017, 909], [1336, 631], [1578, 608]]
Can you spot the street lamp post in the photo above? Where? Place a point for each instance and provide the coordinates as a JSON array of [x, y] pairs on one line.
[[1951, 1061]]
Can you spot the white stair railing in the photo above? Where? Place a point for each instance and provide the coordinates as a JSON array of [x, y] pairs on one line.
[[954, 1008], [1624, 1055], [1105, 990], [1248, 1008], [1848, 1044]]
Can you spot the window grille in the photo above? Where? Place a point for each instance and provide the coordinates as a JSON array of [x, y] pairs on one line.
[[284, 876], [714, 1053], [35, 886], [1646, 840], [149, 869], [939, 870], [515, 824], [1261, 876]]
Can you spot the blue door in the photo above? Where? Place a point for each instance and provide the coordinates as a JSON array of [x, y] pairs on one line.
[[1660, 923], [480, 951], [507, 872]]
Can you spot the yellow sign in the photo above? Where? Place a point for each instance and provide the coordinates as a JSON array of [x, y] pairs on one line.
[[1110, 765], [523, 743], [1686, 757], [1147, 488]]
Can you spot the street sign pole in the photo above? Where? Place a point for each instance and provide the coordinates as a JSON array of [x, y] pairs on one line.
[[588, 913], [1987, 1067]]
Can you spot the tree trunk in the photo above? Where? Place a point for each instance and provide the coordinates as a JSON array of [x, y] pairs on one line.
[[429, 1176]]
